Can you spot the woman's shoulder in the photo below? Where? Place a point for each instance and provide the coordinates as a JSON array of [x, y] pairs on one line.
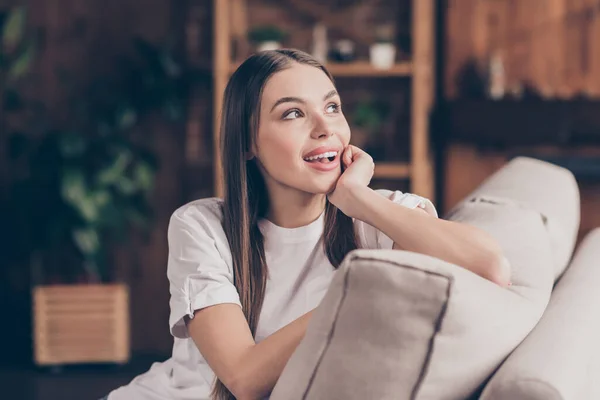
[[205, 213]]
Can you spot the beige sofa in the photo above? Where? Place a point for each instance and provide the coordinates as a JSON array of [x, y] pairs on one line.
[[400, 325]]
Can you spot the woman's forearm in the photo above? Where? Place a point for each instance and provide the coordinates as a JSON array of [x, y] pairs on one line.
[[264, 362], [415, 230]]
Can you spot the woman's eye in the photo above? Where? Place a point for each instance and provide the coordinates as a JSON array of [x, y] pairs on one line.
[[294, 113], [333, 107]]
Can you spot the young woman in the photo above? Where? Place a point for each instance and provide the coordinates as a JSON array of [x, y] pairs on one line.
[[246, 272]]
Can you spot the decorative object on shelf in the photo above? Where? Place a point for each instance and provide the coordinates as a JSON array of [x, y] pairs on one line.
[[517, 91], [319, 45], [470, 82], [383, 52], [267, 37], [368, 119], [343, 51], [496, 77]]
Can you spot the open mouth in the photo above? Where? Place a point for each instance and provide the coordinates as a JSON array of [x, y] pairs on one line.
[[324, 158]]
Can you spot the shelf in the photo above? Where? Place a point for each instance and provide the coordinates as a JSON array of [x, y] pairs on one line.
[[359, 69], [527, 122], [364, 68], [391, 170]]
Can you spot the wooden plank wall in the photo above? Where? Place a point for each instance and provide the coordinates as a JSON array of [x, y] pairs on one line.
[[552, 44]]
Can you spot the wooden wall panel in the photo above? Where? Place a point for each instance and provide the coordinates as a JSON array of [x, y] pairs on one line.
[[552, 44]]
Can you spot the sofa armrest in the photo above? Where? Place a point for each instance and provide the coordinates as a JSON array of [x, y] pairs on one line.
[[555, 359], [548, 189]]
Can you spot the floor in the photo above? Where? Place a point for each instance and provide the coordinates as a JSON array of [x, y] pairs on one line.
[[68, 383]]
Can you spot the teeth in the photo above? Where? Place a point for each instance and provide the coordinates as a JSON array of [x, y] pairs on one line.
[[323, 155]]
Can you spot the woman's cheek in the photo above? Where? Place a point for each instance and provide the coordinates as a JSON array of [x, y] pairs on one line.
[[284, 153], [344, 132]]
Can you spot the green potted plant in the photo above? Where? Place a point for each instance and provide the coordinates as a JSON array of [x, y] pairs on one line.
[[368, 119], [77, 190], [266, 37], [382, 53], [81, 193]]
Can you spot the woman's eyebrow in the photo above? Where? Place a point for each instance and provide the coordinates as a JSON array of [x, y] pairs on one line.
[[287, 100], [329, 95]]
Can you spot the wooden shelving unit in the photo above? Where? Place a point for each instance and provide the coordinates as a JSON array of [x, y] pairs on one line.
[[392, 170], [359, 69], [420, 69]]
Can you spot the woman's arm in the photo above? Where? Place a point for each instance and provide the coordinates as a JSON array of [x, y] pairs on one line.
[[247, 369], [415, 230]]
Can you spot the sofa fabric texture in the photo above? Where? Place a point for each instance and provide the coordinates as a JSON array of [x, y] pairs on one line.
[[558, 360]]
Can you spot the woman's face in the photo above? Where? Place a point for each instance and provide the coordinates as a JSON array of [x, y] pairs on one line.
[[302, 131]]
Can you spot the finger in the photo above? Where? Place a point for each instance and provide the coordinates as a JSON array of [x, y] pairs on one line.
[[357, 153], [347, 156], [360, 155]]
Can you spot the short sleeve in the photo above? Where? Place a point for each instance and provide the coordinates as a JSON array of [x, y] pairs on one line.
[[198, 274], [371, 237]]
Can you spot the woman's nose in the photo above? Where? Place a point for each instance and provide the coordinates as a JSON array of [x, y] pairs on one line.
[[321, 128]]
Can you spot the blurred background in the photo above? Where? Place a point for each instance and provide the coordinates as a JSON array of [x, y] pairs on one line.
[[108, 112]]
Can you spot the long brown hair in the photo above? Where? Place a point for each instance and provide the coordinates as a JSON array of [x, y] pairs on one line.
[[245, 197]]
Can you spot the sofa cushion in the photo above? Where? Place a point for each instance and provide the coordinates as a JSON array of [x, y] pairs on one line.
[[371, 336]]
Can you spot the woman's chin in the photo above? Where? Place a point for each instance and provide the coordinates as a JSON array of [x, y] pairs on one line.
[[324, 187]]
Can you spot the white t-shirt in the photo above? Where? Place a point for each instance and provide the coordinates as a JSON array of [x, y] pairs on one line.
[[200, 275]]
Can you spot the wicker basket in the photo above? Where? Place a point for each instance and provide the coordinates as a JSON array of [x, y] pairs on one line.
[[81, 324]]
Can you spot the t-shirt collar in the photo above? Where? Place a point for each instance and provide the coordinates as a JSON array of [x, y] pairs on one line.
[[274, 232]]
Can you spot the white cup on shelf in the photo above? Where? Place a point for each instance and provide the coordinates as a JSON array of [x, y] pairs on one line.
[[268, 45], [382, 55]]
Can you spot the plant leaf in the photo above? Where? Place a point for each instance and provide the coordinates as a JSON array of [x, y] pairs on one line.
[[126, 118], [14, 28], [73, 188], [101, 198], [126, 186], [75, 192], [87, 241], [143, 175], [112, 173], [22, 64], [170, 66], [88, 209]]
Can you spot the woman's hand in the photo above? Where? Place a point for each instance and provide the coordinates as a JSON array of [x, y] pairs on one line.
[[357, 171]]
